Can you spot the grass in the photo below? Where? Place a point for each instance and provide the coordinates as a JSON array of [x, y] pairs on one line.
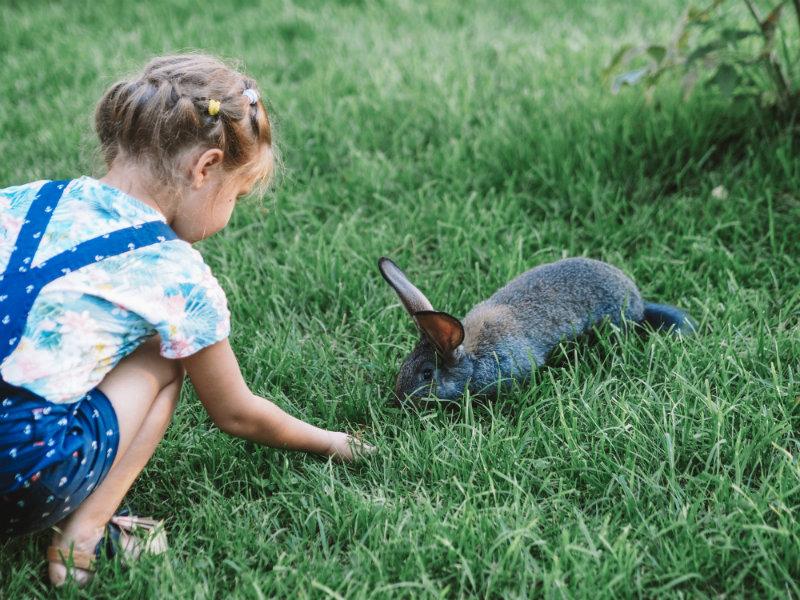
[[469, 142]]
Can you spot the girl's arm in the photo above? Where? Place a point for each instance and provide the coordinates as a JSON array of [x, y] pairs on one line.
[[215, 374]]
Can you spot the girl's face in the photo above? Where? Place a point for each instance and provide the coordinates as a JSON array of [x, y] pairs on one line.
[[207, 206]]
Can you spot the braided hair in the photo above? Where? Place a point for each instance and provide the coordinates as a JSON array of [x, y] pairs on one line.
[[181, 102]]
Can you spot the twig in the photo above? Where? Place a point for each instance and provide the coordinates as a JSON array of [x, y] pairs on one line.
[[754, 12]]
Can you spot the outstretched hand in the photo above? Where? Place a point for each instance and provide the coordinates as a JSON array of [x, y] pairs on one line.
[[216, 376], [346, 448]]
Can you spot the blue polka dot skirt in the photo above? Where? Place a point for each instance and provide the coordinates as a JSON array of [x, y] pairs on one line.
[[51, 456]]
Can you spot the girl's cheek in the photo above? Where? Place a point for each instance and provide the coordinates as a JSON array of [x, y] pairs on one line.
[[226, 212]]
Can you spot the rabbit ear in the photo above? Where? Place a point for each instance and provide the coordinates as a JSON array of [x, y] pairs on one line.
[[443, 330], [410, 296]]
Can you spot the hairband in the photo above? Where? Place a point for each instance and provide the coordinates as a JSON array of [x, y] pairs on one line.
[[214, 105], [251, 94]]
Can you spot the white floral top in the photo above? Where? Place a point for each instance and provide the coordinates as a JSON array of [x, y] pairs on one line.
[[81, 325]]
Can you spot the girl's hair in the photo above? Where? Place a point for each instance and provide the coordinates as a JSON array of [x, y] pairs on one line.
[[182, 102]]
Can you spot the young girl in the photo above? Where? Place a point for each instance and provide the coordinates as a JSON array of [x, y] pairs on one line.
[[104, 305]]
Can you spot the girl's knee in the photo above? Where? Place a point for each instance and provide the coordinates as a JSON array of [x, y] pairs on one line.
[[144, 373], [163, 409], [167, 371], [167, 399], [178, 373], [172, 391]]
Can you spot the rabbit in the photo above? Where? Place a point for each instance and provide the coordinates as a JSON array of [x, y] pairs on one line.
[[504, 338]]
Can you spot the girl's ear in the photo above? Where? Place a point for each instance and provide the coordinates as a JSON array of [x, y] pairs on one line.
[[410, 296], [203, 165], [444, 331]]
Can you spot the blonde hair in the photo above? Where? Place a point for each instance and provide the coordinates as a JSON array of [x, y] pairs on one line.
[[160, 113]]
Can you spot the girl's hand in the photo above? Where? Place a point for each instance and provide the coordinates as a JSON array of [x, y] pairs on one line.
[[346, 448], [215, 373]]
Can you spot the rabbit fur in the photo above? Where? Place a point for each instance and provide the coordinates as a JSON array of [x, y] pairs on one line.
[[507, 336]]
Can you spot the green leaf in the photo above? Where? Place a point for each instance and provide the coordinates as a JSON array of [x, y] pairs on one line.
[[629, 78], [657, 52], [702, 15], [734, 35], [726, 79], [703, 51], [696, 15]]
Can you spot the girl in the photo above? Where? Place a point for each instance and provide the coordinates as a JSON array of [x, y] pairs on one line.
[[104, 306]]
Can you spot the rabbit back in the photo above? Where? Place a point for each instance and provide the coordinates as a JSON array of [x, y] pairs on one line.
[[524, 320]]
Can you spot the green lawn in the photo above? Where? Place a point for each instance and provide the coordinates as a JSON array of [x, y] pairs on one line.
[[469, 141]]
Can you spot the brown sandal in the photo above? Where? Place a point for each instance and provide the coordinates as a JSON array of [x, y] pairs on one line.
[[149, 532]]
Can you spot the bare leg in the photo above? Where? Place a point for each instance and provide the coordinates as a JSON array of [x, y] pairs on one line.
[[144, 390]]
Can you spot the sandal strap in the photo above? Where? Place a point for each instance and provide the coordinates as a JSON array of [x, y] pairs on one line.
[[69, 557], [150, 531], [130, 523]]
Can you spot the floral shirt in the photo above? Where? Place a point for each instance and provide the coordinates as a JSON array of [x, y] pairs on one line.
[[82, 324]]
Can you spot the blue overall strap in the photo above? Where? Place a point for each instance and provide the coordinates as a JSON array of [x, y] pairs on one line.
[[19, 290], [36, 220], [96, 249]]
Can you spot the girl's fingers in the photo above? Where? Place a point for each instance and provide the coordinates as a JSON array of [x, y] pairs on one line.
[[358, 448]]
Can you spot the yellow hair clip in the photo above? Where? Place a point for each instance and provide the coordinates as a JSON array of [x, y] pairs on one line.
[[213, 107]]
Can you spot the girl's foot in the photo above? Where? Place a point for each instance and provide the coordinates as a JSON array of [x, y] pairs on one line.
[[72, 555]]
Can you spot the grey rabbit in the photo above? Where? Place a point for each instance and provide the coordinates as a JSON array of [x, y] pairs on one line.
[[504, 338]]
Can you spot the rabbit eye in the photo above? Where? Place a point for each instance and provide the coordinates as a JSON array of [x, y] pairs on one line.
[[427, 374]]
